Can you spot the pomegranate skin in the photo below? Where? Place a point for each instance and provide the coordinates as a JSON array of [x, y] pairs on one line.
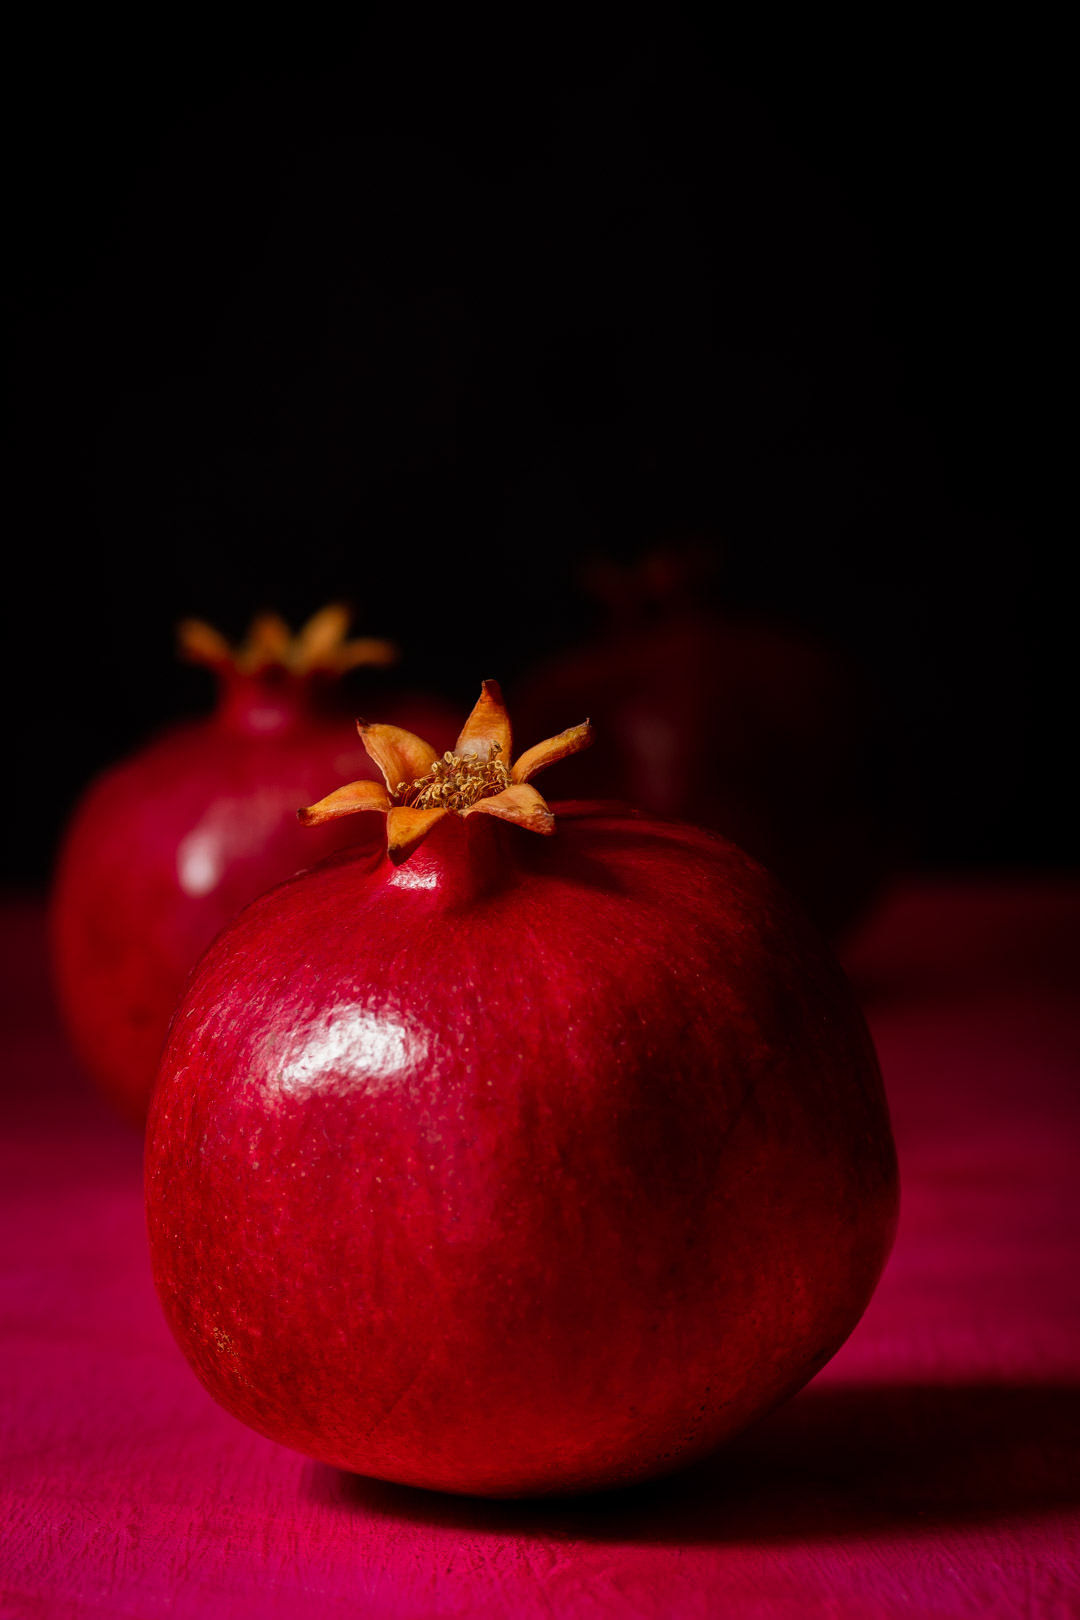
[[530, 1166], [166, 846]]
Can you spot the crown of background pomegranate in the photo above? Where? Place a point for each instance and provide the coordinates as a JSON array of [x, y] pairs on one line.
[[321, 645]]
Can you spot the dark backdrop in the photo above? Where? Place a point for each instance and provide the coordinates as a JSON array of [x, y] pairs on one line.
[[426, 323]]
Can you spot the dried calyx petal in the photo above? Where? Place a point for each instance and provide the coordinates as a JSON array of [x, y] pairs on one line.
[[346, 801], [320, 646], [486, 733], [476, 778]]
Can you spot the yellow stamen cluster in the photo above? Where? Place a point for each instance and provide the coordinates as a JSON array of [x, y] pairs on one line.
[[456, 783]]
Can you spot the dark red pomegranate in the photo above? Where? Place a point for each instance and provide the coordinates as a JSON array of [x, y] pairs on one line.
[[515, 1165], [747, 726], [168, 845]]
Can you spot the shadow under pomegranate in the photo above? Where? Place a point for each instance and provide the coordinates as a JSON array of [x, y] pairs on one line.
[[840, 1459]]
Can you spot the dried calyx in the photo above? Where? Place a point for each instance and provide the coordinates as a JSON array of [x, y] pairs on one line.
[[320, 647], [476, 778]]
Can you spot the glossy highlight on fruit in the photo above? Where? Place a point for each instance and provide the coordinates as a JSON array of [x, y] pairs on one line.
[[168, 845], [514, 1165]]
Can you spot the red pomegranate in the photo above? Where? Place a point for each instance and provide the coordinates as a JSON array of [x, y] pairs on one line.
[[747, 726], [167, 846], [511, 1165]]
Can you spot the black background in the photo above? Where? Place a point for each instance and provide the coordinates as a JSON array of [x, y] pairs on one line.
[[426, 322]]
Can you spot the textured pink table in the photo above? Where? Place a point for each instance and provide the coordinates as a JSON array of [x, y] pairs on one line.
[[933, 1469]]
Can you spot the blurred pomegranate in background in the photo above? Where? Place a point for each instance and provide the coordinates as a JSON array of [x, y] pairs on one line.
[[738, 723], [168, 845]]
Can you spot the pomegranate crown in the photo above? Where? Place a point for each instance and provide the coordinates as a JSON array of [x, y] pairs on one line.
[[476, 779], [320, 646]]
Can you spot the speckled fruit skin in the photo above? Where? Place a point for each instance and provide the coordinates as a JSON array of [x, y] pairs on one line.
[[745, 726], [533, 1165], [168, 845]]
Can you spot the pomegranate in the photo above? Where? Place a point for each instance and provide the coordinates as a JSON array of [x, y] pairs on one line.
[[737, 723], [168, 845], [511, 1165]]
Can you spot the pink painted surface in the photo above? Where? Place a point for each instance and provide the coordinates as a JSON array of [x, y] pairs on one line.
[[933, 1469]]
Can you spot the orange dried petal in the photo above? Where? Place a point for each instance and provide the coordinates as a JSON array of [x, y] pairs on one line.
[[319, 642], [400, 755], [202, 644], [546, 753], [269, 641], [364, 650], [520, 804], [406, 828], [487, 726], [346, 801]]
